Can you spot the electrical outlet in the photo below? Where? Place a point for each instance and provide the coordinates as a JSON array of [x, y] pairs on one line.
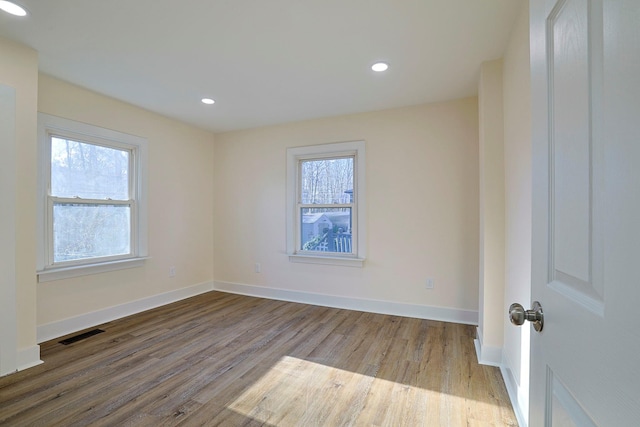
[[258, 267], [429, 283], [172, 271]]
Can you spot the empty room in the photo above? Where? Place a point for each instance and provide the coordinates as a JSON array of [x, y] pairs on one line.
[[336, 213]]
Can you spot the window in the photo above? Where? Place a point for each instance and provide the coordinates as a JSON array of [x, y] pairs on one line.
[[325, 203], [92, 192]]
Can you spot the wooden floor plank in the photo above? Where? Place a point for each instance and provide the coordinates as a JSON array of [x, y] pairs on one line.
[[231, 360]]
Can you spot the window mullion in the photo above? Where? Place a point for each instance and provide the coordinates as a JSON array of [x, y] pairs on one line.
[[326, 205], [82, 201]]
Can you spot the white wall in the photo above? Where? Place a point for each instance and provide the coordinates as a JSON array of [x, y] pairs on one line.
[[518, 172], [422, 194], [180, 203], [492, 232], [8, 314], [505, 212], [19, 70]]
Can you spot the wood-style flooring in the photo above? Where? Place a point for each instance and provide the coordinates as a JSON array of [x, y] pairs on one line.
[[231, 360]]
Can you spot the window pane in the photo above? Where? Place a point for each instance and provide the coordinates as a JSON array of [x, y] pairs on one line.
[[326, 229], [88, 171], [87, 231], [327, 181]]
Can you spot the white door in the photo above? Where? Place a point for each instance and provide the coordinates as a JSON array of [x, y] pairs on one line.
[[585, 65]]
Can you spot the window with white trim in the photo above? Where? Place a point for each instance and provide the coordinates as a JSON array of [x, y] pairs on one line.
[[325, 203], [92, 209]]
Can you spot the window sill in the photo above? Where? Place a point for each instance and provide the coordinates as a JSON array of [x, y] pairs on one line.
[[327, 260], [59, 273]]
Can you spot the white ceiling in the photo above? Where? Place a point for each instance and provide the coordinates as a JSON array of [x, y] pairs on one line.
[[265, 61]]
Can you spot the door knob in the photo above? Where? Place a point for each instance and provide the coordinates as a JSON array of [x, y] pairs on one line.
[[517, 315]]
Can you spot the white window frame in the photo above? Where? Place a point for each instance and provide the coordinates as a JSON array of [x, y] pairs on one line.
[[358, 214], [52, 126]]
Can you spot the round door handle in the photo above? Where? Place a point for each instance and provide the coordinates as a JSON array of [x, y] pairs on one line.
[[518, 315]]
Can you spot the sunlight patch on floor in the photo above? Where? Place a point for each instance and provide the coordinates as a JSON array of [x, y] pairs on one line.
[[302, 392]]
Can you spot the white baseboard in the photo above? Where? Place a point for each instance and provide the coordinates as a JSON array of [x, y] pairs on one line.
[[469, 317], [486, 354], [24, 358], [512, 390], [28, 357], [73, 324], [495, 356]]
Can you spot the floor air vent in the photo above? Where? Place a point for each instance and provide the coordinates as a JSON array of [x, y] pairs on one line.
[[81, 336]]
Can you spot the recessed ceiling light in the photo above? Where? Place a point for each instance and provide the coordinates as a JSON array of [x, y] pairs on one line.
[[208, 101], [380, 66], [12, 8]]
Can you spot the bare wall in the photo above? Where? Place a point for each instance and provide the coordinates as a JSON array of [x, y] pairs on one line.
[[19, 70], [422, 212], [490, 334], [518, 194]]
